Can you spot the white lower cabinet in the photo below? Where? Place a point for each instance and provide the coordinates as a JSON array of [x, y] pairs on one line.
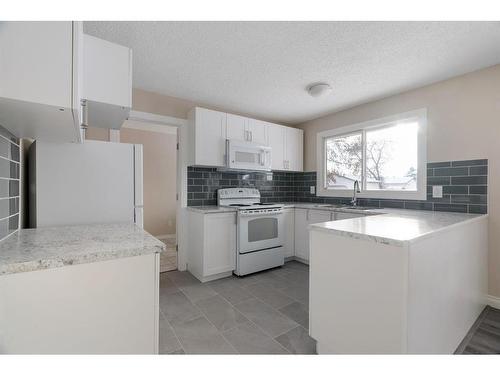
[[304, 217], [212, 245], [289, 225]]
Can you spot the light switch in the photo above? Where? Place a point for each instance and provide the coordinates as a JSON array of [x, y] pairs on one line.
[[313, 189], [437, 191]]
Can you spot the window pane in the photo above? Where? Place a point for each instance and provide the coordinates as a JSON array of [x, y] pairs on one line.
[[391, 158], [343, 161]]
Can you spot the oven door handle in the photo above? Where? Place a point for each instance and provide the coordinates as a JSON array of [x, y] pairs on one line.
[[260, 213]]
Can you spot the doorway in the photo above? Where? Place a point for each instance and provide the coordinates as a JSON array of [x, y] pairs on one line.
[[159, 179]]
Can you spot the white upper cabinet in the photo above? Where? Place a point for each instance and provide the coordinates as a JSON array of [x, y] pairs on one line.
[[48, 68], [257, 130], [107, 73], [207, 132], [106, 83], [237, 127], [246, 129], [40, 63], [276, 136], [294, 149], [287, 147]]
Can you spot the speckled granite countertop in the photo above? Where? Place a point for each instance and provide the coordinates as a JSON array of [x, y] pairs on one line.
[[211, 209], [396, 226], [43, 248]]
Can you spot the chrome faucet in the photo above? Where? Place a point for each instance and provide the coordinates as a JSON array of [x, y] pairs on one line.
[[356, 190]]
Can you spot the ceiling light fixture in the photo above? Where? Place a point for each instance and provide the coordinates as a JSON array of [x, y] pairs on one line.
[[318, 90]]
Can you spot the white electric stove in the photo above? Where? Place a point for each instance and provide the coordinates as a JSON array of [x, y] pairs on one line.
[[260, 235]]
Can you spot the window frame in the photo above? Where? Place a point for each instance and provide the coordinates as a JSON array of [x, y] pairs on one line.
[[419, 115]]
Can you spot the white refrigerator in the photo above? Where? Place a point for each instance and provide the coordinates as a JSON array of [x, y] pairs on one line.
[[90, 183]]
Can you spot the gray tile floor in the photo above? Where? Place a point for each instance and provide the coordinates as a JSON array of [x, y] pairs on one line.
[[484, 336], [264, 313]]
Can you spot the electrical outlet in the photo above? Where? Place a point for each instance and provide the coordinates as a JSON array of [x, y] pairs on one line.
[[437, 191], [312, 190], [269, 177]]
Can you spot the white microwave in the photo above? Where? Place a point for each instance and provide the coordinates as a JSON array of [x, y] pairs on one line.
[[247, 155]]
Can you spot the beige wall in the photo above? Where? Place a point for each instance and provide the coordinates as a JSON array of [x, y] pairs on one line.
[[463, 123], [160, 155]]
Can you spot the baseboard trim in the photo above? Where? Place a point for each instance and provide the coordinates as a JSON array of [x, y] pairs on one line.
[[493, 301], [165, 236]]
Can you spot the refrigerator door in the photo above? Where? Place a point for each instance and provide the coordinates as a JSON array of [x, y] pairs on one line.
[[138, 186], [84, 183]]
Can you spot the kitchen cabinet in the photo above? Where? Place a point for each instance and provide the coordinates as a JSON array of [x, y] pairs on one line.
[[289, 225], [39, 73], [237, 128], [276, 140], [207, 137], [208, 130], [106, 83], [287, 147], [212, 245], [294, 149], [257, 130], [55, 78], [303, 218], [246, 129]]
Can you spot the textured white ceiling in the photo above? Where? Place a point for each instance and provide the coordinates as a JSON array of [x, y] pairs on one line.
[[263, 68]]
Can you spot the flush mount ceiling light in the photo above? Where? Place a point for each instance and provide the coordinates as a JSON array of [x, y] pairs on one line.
[[318, 90]]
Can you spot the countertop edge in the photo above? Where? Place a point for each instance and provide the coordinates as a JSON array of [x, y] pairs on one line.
[[392, 241], [72, 259]]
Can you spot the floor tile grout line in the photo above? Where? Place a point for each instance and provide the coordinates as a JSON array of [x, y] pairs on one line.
[[209, 321], [251, 321], [246, 317], [241, 312], [173, 330]]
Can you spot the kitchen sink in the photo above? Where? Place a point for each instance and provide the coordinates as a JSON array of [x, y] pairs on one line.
[[360, 208]]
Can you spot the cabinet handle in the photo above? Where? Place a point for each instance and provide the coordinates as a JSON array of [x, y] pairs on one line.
[[307, 215], [251, 136]]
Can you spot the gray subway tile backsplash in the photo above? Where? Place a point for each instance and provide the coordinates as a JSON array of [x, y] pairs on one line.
[[9, 183], [464, 187]]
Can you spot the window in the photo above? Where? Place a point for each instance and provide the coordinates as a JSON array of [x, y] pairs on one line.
[[386, 156]]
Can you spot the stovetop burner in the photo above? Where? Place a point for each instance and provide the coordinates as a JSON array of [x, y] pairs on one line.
[[240, 205], [263, 204]]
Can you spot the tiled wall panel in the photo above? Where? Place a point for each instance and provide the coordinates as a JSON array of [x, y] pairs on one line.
[[465, 187], [9, 183]]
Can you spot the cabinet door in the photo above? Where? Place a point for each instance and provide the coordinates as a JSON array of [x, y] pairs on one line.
[[107, 74], [301, 236], [219, 254], [210, 138], [347, 215], [289, 225], [36, 62], [276, 137], [313, 217], [294, 149], [258, 131], [236, 128]]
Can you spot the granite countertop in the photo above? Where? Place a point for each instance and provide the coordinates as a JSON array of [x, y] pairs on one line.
[[396, 226], [211, 209], [331, 207], [43, 248]]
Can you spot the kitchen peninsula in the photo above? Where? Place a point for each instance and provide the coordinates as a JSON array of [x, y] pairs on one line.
[[86, 289], [404, 281]]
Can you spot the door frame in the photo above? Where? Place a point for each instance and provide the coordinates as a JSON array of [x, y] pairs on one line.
[[157, 122]]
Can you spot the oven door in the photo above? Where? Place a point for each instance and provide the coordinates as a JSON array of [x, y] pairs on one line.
[[259, 231]]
